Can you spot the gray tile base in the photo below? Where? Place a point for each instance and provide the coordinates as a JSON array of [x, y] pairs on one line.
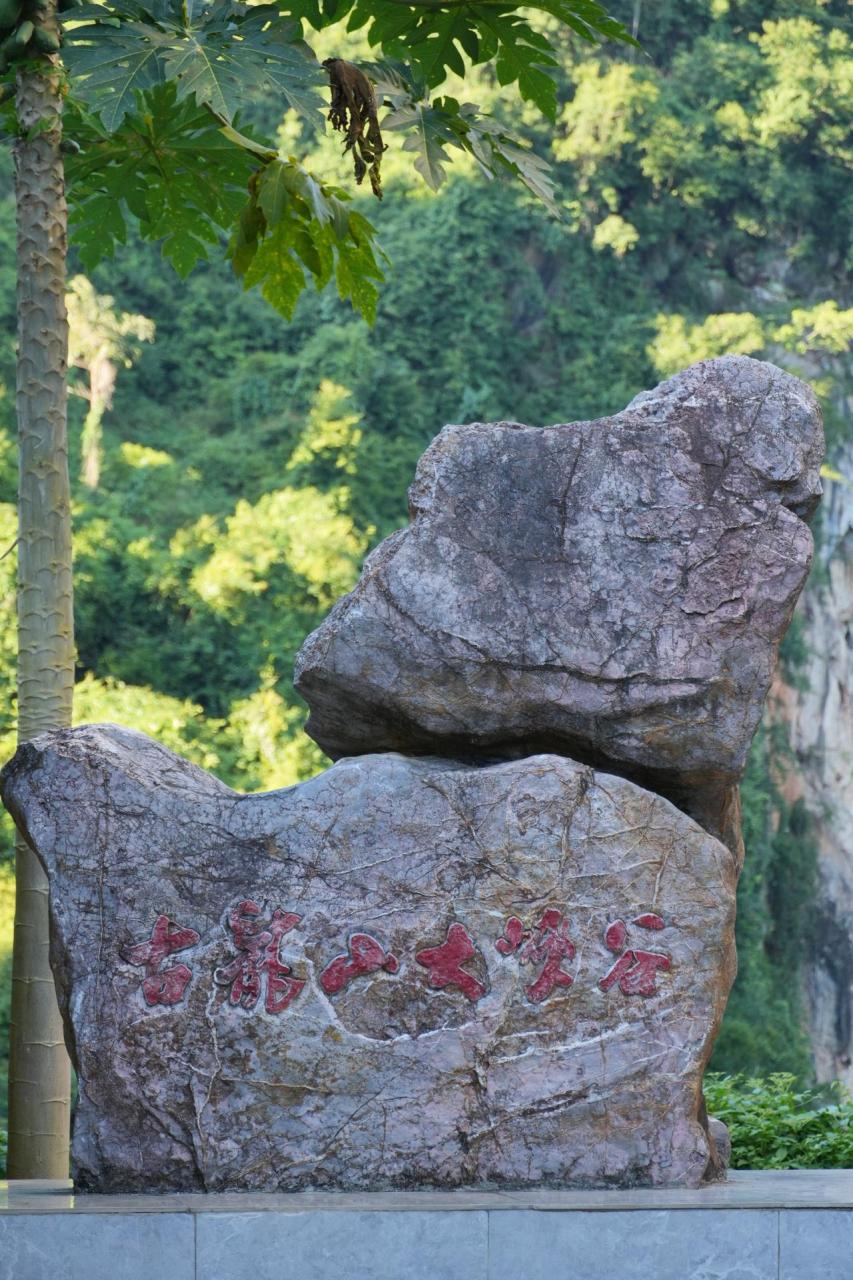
[[757, 1226], [663, 1244], [818, 1242], [342, 1246], [107, 1247]]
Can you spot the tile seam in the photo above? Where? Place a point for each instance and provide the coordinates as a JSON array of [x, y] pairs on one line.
[[488, 1270]]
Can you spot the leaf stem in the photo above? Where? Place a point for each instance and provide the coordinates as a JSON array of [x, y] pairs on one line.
[[240, 139]]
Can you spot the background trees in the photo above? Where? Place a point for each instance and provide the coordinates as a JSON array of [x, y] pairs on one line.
[[704, 191], [101, 340]]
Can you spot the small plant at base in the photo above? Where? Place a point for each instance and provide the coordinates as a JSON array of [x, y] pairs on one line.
[[775, 1124]]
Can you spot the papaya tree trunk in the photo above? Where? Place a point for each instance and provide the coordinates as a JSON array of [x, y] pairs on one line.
[[39, 1075]]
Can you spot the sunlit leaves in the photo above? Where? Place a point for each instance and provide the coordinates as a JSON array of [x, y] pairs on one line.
[[302, 528], [432, 127], [216, 53], [294, 229], [824, 328], [435, 40]]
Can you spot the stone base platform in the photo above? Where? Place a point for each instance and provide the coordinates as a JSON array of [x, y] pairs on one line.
[[757, 1226]]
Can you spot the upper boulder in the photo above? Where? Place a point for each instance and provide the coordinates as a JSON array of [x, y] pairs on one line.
[[614, 590]]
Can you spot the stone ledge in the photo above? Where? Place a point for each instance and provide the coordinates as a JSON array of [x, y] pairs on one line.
[[758, 1226], [744, 1189]]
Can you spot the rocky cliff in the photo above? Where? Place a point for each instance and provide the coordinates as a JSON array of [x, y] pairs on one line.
[[819, 714]]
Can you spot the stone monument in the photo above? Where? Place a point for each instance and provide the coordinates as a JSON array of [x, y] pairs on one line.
[[491, 946]]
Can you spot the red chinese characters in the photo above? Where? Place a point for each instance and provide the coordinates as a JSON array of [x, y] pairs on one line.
[[365, 955], [162, 986], [635, 970], [445, 963], [258, 969], [258, 942], [548, 944]]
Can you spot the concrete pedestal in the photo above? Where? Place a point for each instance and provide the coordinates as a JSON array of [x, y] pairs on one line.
[[757, 1226]]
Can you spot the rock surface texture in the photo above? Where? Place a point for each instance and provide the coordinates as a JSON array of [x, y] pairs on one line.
[[612, 590], [402, 973]]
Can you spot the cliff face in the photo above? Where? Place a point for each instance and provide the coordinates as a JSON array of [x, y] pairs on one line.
[[820, 721]]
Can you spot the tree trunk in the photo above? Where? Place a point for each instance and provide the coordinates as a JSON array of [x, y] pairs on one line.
[[90, 445], [39, 1076], [102, 381]]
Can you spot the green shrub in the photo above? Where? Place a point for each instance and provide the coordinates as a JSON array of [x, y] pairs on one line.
[[773, 1126]]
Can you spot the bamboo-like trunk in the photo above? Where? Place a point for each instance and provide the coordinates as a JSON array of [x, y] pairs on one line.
[[39, 1075]]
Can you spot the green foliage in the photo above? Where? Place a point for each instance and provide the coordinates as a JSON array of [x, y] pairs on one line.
[[167, 169], [432, 127], [293, 224], [157, 85], [774, 1125], [210, 52], [763, 1028], [437, 39]]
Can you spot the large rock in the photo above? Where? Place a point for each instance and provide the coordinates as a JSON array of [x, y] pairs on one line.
[[612, 590], [402, 973]]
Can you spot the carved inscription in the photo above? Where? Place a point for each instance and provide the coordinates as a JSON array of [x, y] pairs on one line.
[[258, 942], [445, 963], [548, 944], [257, 968], [162, 986], [365, 955], [635, 969]]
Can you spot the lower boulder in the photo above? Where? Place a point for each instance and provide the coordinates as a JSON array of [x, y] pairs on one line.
[[403, 973]]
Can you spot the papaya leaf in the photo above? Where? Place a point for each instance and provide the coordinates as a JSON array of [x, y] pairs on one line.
[[276, 271], [222, 58], [431, 132], [435, 38], [524, 58], [394, 82], [357, 269], [97, 227], [168, 167], [439, 47], [534, 172], [588, 19], [273, 191], [301, 183], [110, 64], [215, 52], [293, 224], [445, 123]]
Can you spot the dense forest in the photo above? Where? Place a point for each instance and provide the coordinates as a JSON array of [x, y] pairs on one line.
[[247, 464]]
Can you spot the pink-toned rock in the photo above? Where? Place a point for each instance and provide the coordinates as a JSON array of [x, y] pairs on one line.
[[614, 590], [402, 973]]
